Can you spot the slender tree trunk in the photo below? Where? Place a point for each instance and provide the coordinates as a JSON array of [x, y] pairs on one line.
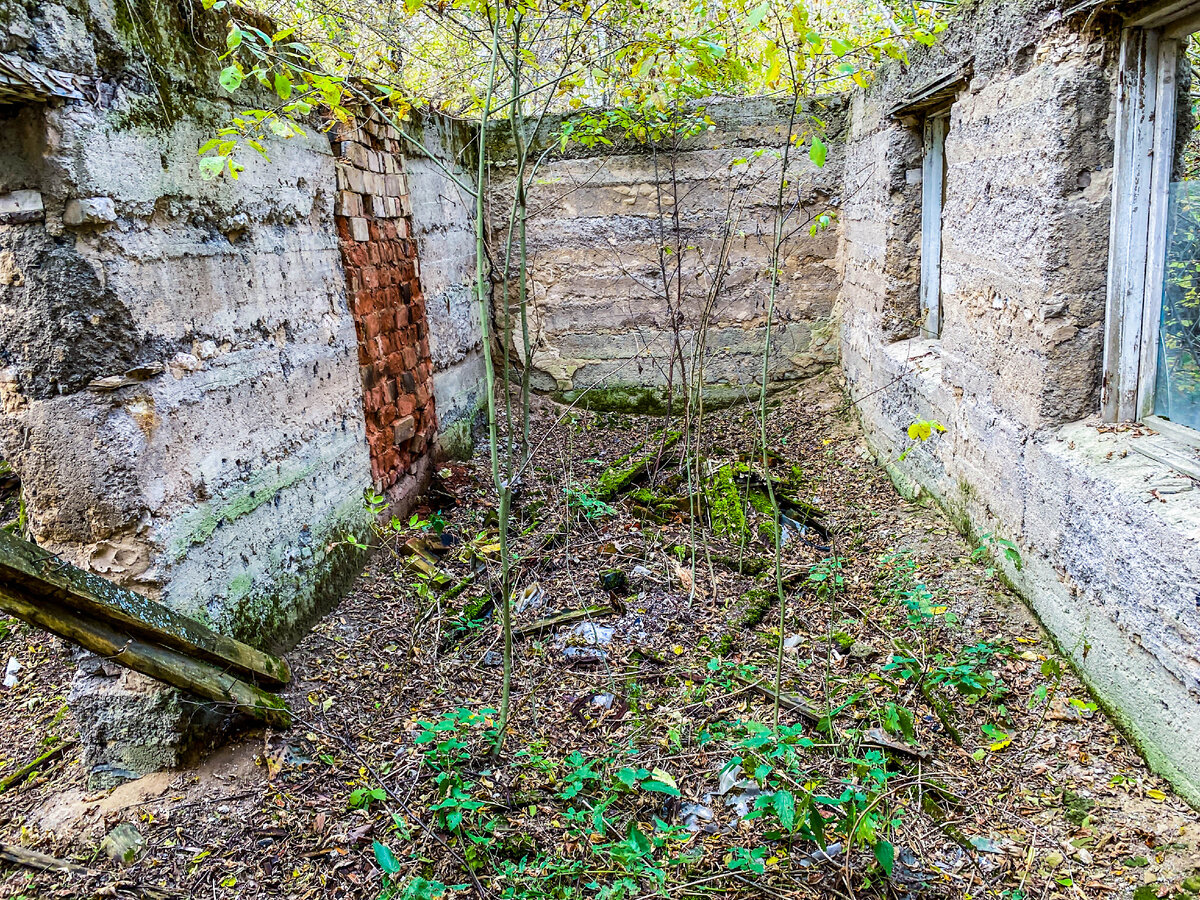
[[502, 486]]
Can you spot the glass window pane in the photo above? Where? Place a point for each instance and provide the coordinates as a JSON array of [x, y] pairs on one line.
[[1177, 388]]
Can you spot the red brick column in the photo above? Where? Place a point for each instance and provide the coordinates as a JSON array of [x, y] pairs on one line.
[[384, 288]]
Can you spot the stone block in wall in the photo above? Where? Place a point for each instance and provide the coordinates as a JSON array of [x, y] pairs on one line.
[[349, 178], [90, 211], [20, 206], [374, 183], [360, 232]]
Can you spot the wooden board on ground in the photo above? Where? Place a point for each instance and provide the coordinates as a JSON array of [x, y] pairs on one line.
[[37, 576]]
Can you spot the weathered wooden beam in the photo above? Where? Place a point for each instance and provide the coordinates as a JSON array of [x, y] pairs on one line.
[[31, 859], [169, 666], [800, 705], [30, 767], [29, 571], [564, 618]]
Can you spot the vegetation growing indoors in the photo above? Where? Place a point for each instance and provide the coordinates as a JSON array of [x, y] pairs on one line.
[[677, 640]]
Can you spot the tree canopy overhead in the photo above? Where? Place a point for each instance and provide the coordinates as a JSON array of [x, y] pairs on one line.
[[621, 63]]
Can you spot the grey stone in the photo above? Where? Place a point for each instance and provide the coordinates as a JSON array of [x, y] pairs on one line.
[[404, 429], [861, 650], [90, 211], [585, 654], [20, 206]]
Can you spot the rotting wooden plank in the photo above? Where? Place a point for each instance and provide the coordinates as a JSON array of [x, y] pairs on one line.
[[42, 862], [32, 766], [162, 663], [30, 571], [791, 702], [932, 191], [565, 618], [1161, 163]]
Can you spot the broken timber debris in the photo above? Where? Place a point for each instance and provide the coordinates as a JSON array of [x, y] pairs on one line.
[[796, 704], [30, 767], [564, 618], [135, 631]]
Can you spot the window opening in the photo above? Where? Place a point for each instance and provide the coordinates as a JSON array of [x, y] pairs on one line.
[[1152, 323], [933, 195], [1176, 394]]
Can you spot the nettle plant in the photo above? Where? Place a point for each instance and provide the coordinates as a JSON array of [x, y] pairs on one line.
[[793, 803]]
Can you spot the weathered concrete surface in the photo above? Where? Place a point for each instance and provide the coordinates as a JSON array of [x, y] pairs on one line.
[[1111, 568], [180, 385], [442, 217], [603, 315]]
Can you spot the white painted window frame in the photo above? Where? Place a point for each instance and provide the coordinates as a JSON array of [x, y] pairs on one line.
[[933, 186], [1144, 156]]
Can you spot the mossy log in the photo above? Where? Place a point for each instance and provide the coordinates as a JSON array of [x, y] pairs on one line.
[[617, 477], [169, 666], [30, 767], [30, 572]]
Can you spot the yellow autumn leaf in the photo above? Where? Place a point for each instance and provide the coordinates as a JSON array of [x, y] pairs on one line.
[[1156, 794]]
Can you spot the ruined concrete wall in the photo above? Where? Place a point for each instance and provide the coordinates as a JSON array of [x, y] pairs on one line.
[[379, 255], [1112, 571], [180, 379], [443, 224], [599, 308]]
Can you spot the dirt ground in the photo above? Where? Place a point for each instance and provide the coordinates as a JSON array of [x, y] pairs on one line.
[[940, 747]]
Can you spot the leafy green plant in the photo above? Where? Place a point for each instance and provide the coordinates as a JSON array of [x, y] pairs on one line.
[[968, 672], [990, 544], [446, 741], [581, 499], [900, 582], [657, 781], [362, 798]]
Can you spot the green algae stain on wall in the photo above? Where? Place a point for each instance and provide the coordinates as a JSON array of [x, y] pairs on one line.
[[201, 523]]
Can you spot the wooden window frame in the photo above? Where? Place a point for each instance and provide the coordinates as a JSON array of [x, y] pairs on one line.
[[1143, 160], [933, 195]]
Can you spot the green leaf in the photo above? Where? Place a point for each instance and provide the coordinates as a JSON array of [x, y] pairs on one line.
[[923, 431], [234, 38], [785, 808], [758, 14], [816, 824], [662, 782], [627, 776], [660, 787], [231, 78], [283, 87], [885, 855], [211, 167], [638, 842], [817, 152], [386, 859]]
